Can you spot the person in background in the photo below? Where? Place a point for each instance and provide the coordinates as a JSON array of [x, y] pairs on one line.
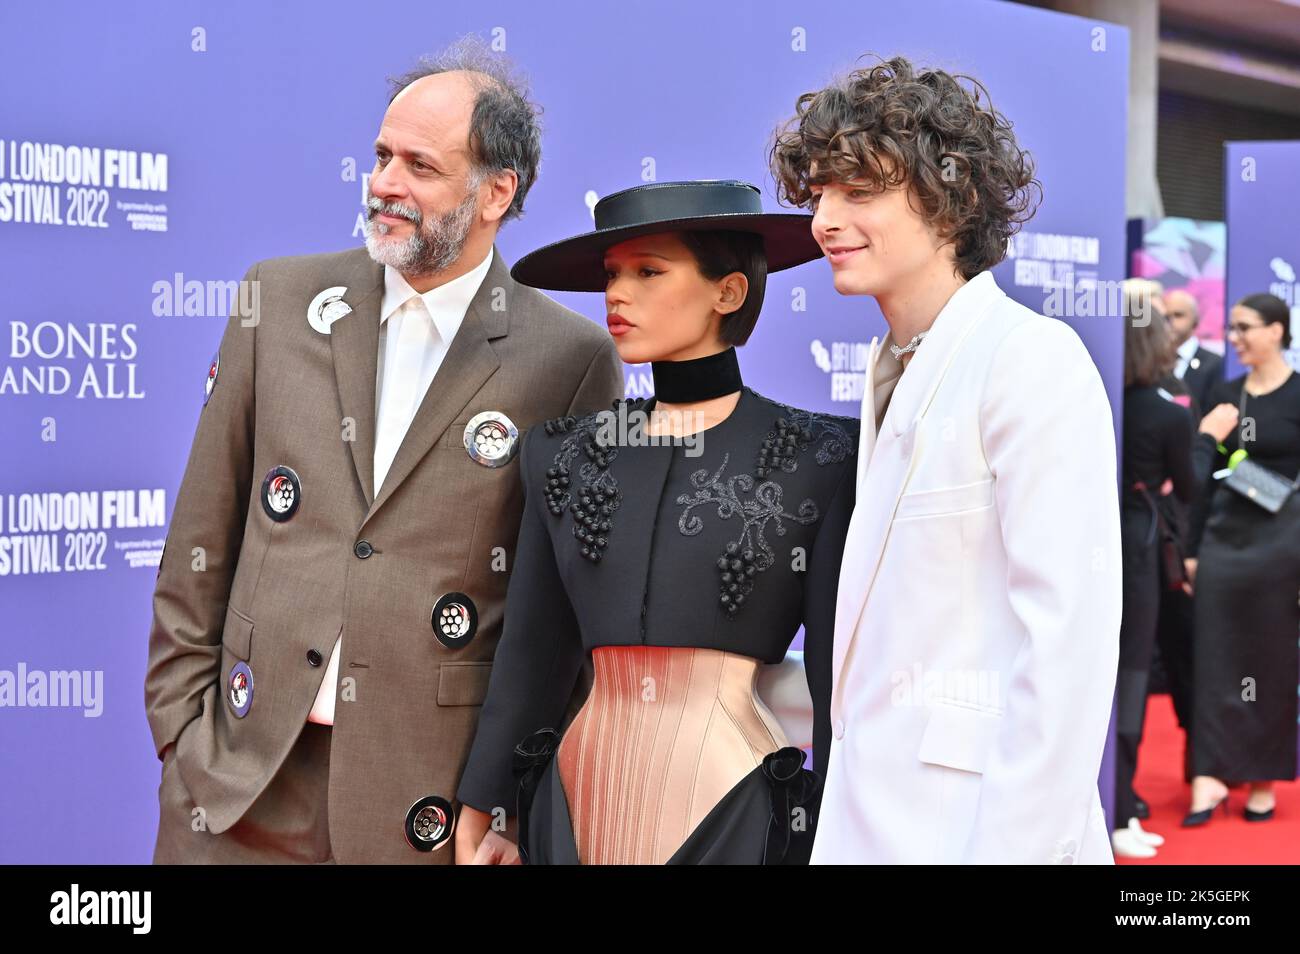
[[1157, 462], [1197, 367], [1246, 577], [1195, 372]]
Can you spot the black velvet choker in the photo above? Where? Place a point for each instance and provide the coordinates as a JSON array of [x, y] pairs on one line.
[[699, 379]]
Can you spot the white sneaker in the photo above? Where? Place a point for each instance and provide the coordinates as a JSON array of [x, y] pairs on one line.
[[1126, 844], [1147, 837]]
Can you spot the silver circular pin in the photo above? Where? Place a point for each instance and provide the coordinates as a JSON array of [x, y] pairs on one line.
[[281, 493], [455, 619], [491, 439], [430, 823]]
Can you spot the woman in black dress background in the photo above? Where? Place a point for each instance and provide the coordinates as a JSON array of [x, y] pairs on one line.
[[1247, 584], [1162, 455]]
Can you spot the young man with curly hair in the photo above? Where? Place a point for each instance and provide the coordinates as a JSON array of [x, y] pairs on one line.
[[977, 620]]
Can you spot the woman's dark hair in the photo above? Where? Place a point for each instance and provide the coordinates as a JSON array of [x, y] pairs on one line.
[[1274, 312], [892, 125], [720, 253], [1149, 354]]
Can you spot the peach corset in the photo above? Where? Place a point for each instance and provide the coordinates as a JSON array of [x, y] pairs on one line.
[[665, 733]]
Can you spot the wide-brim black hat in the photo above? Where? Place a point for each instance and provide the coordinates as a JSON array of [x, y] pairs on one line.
[[578, 263]]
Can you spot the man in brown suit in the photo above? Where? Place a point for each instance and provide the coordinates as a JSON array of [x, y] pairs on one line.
[[335, 572]]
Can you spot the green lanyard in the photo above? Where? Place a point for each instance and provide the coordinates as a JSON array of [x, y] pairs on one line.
[[1239, 454]]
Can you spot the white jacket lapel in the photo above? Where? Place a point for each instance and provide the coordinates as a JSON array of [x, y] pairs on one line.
[[888, 459]]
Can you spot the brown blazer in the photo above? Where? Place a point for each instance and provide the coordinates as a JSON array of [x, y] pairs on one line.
[[275, 595]]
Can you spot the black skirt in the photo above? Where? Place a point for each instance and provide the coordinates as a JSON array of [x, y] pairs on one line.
[[1246, 656], [768, 817]]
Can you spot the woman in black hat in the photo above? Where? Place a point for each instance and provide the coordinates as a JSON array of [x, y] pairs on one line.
[[680, 541]]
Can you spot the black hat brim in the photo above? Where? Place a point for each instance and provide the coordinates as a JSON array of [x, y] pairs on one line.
[[578, 263]]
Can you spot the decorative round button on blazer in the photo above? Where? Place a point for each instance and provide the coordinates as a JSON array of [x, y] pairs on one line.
[[314, 657], [240, 694], [491, 439], [328, 307], [455, 620], [211, 381], [363, 549], [281, 493], [429, 823]]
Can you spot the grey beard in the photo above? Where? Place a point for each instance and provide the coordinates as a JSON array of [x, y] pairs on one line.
[[435, 244]]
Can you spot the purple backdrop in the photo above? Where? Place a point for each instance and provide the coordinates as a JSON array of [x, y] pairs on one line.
[[244, 120], [1262, 212]]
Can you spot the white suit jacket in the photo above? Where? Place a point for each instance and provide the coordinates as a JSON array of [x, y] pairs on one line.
[[977, 623]]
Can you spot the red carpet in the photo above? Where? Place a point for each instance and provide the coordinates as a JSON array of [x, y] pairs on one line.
[[1229, 840]]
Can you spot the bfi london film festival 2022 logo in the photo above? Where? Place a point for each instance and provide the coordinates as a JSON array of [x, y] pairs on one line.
[[72, 186]]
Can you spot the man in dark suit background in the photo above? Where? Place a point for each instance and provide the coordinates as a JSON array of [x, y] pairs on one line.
[[1196, 373], [1199, 368]]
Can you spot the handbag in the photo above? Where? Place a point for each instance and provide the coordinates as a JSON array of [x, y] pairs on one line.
[[1173, 570], [1266, 488]]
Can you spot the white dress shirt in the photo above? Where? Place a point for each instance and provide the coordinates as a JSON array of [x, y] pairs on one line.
[[415, 331], [1186, 351]]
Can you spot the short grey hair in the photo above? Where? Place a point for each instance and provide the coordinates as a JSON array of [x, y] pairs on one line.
[[504, 130]]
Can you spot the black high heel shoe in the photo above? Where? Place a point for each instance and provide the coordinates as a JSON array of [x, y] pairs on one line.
[[1195, 819], [1251, 815]]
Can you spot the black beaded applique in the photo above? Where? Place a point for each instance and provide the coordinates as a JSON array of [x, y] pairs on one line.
[[744, 558], [598, 495], [792, 433], [750, 554]]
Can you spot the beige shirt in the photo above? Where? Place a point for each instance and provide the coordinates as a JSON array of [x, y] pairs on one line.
[[888, 370]]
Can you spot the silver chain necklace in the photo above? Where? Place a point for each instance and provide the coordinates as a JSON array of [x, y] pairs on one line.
[[908, 348]]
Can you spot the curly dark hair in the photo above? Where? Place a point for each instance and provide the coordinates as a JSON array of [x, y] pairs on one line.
[[890, 126]]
